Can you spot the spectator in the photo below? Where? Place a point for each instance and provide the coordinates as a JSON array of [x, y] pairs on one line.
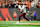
[[15, 15], [39, 5], [3, 5], [31, 15], [16, 5], [0, 4], [34, 15], [6, 5], [9, 5], [12, 4]]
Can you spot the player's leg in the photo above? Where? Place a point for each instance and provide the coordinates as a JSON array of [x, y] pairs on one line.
[[19, 18], [34, 18], [26, 18]]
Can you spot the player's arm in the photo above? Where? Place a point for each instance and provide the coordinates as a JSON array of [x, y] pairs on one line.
[[19, 8], [28, 10]]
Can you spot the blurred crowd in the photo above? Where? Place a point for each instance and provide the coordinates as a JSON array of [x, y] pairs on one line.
[[15, 3]]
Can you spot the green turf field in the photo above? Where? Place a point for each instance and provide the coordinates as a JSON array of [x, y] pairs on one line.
[[22, 24]]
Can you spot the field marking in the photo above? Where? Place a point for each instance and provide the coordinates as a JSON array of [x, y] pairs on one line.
[[26, 23], [31, 23]]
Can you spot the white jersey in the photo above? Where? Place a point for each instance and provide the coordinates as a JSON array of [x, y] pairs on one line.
[[22, 8]]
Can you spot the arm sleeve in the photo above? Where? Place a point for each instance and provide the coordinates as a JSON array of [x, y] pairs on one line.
[[19, 7]]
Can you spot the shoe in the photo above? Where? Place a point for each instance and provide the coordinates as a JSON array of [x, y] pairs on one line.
[[29, 21], [17, 22]]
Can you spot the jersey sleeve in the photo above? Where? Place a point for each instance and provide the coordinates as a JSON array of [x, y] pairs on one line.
[[19, 7]]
